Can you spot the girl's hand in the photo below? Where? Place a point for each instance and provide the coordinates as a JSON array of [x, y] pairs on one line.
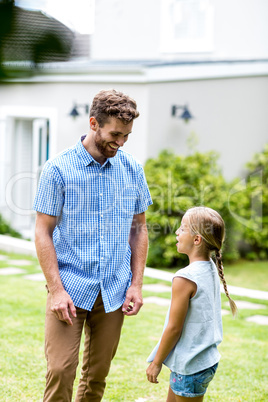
[[152, 372]]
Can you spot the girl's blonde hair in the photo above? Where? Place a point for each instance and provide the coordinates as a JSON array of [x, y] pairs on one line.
[[208, 223]]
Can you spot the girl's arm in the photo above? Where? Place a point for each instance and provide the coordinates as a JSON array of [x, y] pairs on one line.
[[182, 291]]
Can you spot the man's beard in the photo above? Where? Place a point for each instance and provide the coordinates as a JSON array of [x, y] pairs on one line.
[[103, 146]]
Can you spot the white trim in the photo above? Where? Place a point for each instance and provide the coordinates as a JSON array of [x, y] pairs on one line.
[[207, 71], [8, 114], [145, 74], [3, 156], [33, 112]]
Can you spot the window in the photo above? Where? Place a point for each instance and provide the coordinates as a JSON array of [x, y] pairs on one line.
[[187, 26]]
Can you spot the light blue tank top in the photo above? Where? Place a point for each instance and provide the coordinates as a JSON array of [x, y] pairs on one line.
[[196, 349]]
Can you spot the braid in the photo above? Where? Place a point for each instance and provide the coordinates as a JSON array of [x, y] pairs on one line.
[[210, 226], [222, 278]]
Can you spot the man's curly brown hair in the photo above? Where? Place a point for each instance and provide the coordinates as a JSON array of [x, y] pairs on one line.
[[112, 103]]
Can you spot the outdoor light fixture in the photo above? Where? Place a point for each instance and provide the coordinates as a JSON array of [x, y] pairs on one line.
[[74, 112], [186, 115]]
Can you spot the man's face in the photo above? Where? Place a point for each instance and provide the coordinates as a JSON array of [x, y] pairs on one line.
[[111, 136]]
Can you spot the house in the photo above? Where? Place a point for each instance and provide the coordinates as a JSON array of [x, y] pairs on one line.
[[209, 56]]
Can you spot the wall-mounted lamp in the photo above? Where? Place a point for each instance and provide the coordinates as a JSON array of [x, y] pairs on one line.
[[186, 115], [74, 112]]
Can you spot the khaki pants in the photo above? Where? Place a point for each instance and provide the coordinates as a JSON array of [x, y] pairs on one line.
[[62, 342]]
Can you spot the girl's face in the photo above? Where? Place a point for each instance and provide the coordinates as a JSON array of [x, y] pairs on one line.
[[185, 239]]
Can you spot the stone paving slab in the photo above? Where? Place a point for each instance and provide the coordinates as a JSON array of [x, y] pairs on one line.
[[20, 263], [251, 293], [20, 246], [160, 301], [11, 271], [154, 287], [35, 277], [248, 305], [158, 274], [234, 290], [258, 319]]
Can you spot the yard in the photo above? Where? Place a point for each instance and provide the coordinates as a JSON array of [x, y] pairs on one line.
[[242, 373]]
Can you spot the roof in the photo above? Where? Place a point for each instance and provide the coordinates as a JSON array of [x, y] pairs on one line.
[[36, 37]]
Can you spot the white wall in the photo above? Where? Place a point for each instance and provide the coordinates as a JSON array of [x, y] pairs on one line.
[[230, 114], [241, 29], [61, 97], [126, 29], [131, 30], [229, 117]]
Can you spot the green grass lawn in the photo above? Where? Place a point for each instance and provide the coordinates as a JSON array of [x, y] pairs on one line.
[[252, 275], [246, 274], [242, 373]]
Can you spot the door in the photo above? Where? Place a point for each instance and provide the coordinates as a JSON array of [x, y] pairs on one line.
[[40, 148], [30, 152]]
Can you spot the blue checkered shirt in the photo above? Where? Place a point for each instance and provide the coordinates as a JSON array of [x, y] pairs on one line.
[[95, 205]]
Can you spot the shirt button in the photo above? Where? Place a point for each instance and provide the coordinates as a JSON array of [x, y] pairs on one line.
[[101, 216], [101, 194], [100, 174], [101, 258]]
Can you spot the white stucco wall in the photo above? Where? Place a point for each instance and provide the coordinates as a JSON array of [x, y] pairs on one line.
[[61, 96], [229, 113], [241, 29], [131, 30], [229, 104], [53, 100], [126, 29], [229, 117]]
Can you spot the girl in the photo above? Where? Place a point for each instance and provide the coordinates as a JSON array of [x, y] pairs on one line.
[[193, 326]]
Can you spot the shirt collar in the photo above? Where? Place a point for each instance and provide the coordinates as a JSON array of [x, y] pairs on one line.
[[85, 156]]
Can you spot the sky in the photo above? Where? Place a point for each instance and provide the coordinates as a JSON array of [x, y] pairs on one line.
[[77, 15]]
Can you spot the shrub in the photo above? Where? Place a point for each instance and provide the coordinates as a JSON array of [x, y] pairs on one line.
[[6, 229], [253, 214], [177, 183]]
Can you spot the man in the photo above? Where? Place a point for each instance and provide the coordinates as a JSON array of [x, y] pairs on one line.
[[91, 241]]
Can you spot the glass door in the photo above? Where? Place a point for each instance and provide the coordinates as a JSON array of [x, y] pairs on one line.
[[40, 145]]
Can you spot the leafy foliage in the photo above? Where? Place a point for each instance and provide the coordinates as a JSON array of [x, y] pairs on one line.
[[253, 197], [6, 229], [177, 183]]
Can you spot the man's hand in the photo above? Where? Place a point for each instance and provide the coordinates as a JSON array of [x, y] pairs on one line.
[[133, 301], [152, 372], [62, 305]]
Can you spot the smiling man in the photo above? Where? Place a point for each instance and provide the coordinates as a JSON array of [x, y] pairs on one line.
[[91, 241]]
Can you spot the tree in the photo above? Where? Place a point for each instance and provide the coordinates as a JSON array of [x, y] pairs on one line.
[[6, 23]]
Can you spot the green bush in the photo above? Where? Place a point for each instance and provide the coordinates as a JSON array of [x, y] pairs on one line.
[[6, 229], [253, 215], [177, 183]]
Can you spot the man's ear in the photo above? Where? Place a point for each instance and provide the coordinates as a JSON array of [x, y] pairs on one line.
[[93, 123], [197, 240]]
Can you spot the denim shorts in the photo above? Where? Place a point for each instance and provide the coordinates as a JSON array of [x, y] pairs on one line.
[[192, 385]]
